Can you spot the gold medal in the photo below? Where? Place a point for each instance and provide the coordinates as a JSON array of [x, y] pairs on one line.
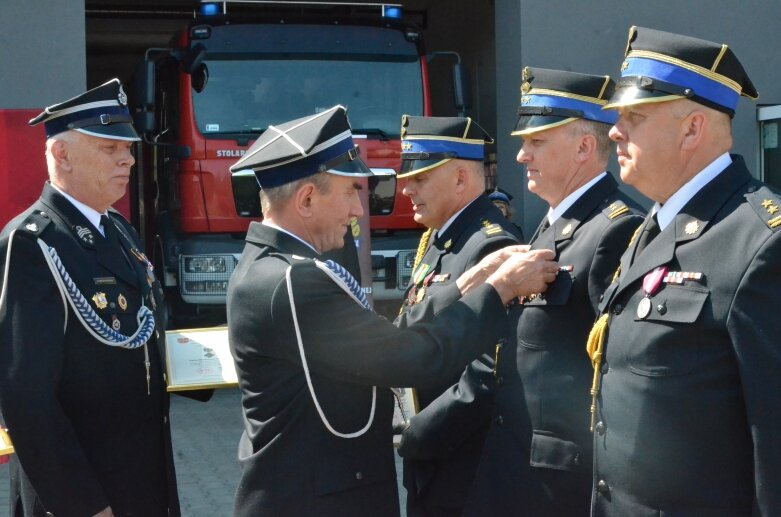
[[420, 294], [122, 301], [100, 300]]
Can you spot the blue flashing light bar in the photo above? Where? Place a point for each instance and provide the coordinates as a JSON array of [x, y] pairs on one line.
[[391, 11], [210, 9]]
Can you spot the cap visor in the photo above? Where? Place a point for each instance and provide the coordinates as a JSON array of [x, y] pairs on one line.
[[412, 167], [351, 168], [632, 95], [528, 124], [111, 131]]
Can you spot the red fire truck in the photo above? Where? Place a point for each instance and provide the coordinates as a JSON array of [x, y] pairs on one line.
[[238, 67]]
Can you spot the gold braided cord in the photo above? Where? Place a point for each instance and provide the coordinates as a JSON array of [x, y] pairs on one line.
[[422, 245], [594, 347], [596, 342]]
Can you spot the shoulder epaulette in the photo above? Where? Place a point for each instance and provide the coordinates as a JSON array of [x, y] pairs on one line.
[[767, 206], [35, 223], [615, 209], [490, 228]]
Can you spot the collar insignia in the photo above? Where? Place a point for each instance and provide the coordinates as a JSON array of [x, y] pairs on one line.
[[691, 227], [85, 234]]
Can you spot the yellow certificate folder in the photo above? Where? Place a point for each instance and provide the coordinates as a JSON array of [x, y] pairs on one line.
[[199, 358]]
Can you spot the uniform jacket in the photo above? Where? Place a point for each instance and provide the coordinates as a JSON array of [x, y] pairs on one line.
[[291, 464], [86, 432], [688, 414], [441, 447], [537, 455]]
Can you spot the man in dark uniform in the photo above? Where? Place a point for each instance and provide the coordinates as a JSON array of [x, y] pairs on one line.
[[442, 167], [686, 420], [314, 364], [81, 326], [537, 457]]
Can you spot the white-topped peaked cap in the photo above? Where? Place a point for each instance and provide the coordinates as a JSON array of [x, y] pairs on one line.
[[302, 147]]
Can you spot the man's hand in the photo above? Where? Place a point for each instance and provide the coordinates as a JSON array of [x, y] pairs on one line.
[[524, 273], [105, 512], [479, 273]]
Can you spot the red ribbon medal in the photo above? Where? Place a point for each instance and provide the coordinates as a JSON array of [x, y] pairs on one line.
[[651, 284]]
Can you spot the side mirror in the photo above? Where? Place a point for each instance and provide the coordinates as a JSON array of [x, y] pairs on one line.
[[462, 89], [144, 96], [200, 77], [193, 58]]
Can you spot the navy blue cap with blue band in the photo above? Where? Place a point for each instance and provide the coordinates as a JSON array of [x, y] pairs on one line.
[[662, 66], [551, 98], [428, 142]]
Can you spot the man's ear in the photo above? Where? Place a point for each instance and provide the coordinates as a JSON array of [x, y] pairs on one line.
[[587, 146], [461, 177], [59, 151], [303, 199], [693, 129]]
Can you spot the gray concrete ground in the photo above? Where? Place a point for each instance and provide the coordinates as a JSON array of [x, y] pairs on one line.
[[205, 438]]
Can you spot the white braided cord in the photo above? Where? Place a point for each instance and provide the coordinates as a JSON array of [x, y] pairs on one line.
[[91, 321], [347, 282]]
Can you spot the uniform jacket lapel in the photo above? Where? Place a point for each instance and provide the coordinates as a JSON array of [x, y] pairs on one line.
[[564, 227], [448, 240], [689, 224], [108, 255]]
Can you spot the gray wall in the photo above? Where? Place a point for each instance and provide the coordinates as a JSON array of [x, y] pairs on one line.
[[42, 52], [591, 37]]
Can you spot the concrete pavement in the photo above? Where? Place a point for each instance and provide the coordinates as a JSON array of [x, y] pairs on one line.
[[205, 439]]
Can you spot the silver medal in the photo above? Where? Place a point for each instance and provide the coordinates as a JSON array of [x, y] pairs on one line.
[[644, 308]]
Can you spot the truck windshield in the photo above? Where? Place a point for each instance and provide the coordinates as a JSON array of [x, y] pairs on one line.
[[247, 95]]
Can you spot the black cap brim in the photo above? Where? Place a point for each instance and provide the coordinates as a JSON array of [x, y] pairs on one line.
[[412, 167], [351, 168], [633, 95], [120, 131], [528, 124]]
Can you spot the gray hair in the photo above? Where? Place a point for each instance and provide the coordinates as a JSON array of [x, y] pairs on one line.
[[273, 197], [599, 131]]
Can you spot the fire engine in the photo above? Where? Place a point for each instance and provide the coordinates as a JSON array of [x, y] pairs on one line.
[[239, 67]]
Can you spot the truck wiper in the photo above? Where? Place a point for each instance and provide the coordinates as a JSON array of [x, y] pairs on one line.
[[373, 131]]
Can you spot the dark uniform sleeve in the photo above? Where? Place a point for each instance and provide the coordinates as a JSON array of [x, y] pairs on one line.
[[466, 406], [434, 303], [454, 416], [31, 362], [343, 341], [754, 328]]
